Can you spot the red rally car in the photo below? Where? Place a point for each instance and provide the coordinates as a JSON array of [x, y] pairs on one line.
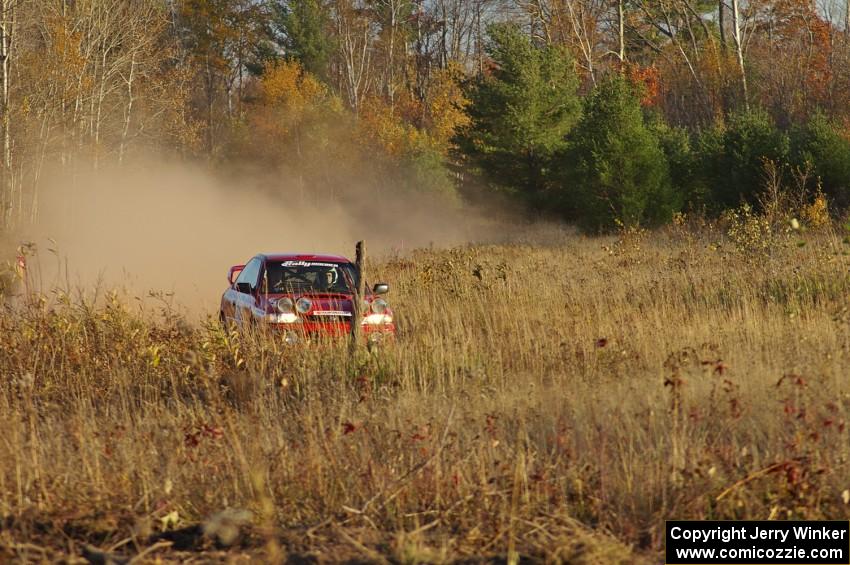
[[303, 296]]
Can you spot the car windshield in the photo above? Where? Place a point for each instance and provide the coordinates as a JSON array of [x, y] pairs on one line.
[[310, 276]]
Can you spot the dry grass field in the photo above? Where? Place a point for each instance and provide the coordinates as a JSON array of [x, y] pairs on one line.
[[553, 402]]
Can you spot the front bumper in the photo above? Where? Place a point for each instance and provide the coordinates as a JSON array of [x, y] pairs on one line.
[[312, 330]]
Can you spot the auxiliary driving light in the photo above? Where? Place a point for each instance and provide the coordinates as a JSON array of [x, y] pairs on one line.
[[285, 306], [303, 305]]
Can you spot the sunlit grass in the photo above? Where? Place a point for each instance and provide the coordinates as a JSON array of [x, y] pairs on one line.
[[555, 401]]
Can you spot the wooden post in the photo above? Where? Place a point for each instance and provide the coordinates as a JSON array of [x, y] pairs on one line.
[[359, 292]]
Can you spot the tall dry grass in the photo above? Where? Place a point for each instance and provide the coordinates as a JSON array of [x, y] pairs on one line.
[[554, 402]]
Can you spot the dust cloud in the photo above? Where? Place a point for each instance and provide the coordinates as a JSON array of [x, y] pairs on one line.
[[177, 228]]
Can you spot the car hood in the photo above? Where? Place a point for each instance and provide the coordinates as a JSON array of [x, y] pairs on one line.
[[322, 302]]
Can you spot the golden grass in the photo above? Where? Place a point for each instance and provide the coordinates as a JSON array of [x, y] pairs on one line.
[[553, 402]]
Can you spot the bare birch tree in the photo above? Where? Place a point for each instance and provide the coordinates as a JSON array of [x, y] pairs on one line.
[[739, 50], [356, 32], [7, 27]]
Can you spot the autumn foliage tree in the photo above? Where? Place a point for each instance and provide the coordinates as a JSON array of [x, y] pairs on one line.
[[299, 126], [792, 60], [225, 40], [429, 96]]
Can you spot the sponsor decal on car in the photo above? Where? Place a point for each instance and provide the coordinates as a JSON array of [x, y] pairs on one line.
[[307, 264], [331, 313]]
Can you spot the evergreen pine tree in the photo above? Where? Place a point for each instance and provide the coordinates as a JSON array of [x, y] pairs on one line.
[[615, 164], [522, 111], [302, 27]]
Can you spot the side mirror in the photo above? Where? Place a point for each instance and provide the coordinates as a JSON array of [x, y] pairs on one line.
[[381, 288], [233, 272], [244, 288]]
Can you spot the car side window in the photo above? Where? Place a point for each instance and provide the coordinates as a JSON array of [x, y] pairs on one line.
[[250, 272]]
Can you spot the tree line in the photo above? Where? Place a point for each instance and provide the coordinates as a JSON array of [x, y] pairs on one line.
[[602, 112]]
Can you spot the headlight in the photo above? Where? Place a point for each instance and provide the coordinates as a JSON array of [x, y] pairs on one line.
[[285, 306], [303, 305], [379, 306], [375, 319], [282, 318]]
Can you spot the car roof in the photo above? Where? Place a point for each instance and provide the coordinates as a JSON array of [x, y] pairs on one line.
[[305, 257]]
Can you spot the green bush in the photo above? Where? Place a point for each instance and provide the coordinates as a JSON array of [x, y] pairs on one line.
[[683, 160], [733, 157], [820, 146], [615, 163]]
